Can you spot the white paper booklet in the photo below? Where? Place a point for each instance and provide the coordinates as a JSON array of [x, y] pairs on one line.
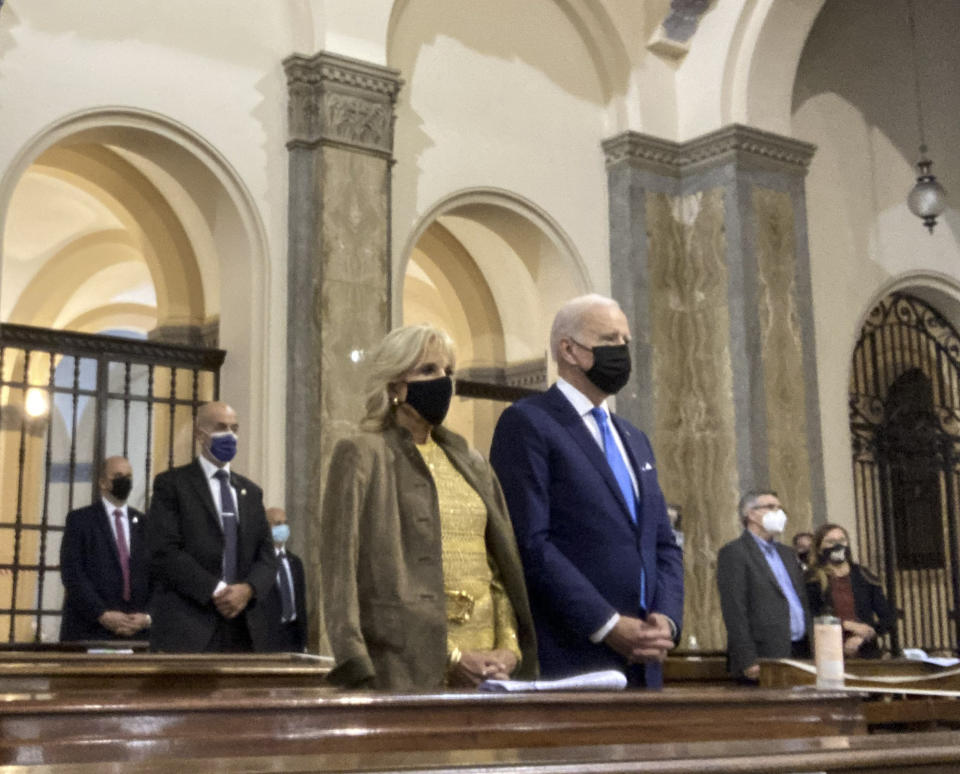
[[608, 680]]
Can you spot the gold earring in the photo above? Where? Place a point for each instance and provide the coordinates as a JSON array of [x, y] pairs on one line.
[[395, 401]]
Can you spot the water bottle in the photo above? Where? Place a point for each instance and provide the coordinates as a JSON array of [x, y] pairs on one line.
[[828, 651]]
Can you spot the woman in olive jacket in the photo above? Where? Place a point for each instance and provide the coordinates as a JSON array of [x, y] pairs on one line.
[[422, 581]]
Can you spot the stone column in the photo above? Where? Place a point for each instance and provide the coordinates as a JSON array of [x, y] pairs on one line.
[[341, 151], [709, 260]]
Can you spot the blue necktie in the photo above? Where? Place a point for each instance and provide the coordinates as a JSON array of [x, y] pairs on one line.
[[228, 517], [616, 462]]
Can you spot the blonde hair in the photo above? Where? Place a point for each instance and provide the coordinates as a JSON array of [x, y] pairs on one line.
[[398, 352], [568, 323]]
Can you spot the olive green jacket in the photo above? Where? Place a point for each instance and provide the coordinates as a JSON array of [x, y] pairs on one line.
[[381, 563]]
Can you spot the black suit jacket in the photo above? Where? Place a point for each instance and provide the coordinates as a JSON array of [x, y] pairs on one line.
[[755, 609], [283, 638], [186, 555], [91, 575]]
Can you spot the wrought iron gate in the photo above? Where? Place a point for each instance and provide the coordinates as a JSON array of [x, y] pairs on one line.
[[67, 401], [905, 423]]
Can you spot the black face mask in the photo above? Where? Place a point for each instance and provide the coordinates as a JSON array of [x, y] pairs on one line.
[[835, 555], [611, 368], [431, 399], [120, 487]]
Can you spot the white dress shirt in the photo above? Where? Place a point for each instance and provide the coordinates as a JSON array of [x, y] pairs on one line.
[[125, 522], [210, 471]]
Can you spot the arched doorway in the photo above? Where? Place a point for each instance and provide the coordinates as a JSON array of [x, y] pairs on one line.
[[905, 424], [122, 223], [490, 269]]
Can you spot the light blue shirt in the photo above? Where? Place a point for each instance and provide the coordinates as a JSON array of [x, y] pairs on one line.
[[798, 624]]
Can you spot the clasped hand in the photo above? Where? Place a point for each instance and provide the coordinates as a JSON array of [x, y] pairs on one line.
[[638, 640], [123, 624], [475, 666], [232, 600]]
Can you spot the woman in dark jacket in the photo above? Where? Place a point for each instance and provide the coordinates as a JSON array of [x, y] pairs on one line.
[[837, 586]]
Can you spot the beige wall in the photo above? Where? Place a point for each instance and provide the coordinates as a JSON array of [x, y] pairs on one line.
[[854, 98]]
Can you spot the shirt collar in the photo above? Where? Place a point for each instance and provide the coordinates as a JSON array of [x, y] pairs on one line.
[[766, 545], [110, 507], [580, 402], [209, 468]]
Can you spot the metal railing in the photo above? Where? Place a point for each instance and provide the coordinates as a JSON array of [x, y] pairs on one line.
[[67, 401]]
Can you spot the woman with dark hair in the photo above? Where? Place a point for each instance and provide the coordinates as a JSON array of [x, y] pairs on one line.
[[838, 586], [422, 581]]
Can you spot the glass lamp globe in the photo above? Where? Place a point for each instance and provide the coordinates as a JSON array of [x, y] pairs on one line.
[[927, 199]]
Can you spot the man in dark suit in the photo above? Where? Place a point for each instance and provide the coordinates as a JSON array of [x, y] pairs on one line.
[[211, 554], [103, 564], [762, 593], [604, 573], [285, 607]]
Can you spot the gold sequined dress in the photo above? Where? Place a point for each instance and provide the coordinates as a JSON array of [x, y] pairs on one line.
[[479, 613]]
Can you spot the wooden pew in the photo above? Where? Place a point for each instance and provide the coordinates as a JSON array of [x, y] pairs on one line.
[[148, 673], [89, 726], [696, 668], [930, 753], [887, 709]]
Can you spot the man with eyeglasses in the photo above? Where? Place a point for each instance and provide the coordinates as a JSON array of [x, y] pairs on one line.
[[762, 593]]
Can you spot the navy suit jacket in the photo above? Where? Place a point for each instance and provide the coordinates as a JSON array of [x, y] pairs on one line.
[[583, 556], [286, 638], [91, 575], [186, 557]]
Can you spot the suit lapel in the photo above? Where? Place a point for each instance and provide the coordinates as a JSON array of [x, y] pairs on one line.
[[242, 509], [198, 480], [756, 555], [136, 534], [567, 416], [106, 536], [629, 443]]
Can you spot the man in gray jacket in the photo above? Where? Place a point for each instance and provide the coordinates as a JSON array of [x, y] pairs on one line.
[[762, 593]]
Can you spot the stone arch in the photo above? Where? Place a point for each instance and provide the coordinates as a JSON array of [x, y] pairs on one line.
[[762, 62], [603, 42], [48, 291], [226, 234], [545, 274], [491, 268], [146, 214]]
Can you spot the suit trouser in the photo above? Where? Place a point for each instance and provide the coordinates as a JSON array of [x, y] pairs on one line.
[[231, 636]]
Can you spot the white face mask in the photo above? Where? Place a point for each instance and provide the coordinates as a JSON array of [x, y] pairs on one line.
[[774, 521]]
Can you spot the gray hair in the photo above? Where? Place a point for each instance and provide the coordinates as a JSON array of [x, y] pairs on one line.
[[749, 499], [568, 323], [397, 353]]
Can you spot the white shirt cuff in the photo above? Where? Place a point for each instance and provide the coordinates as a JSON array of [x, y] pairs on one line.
[[220, 587], [604, 630]]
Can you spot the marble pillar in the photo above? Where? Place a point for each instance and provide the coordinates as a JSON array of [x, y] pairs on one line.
[[709, 260], [341, 116]]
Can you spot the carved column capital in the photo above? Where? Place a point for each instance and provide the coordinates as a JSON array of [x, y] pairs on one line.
[[336, 100], [735, 143]]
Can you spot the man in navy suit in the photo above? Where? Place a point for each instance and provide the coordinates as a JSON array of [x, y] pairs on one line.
[[103, 564], [285, 605], [604, 573], [211, 554]]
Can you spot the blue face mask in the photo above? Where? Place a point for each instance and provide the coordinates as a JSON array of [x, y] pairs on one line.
[[223, 446], [281, 533]]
